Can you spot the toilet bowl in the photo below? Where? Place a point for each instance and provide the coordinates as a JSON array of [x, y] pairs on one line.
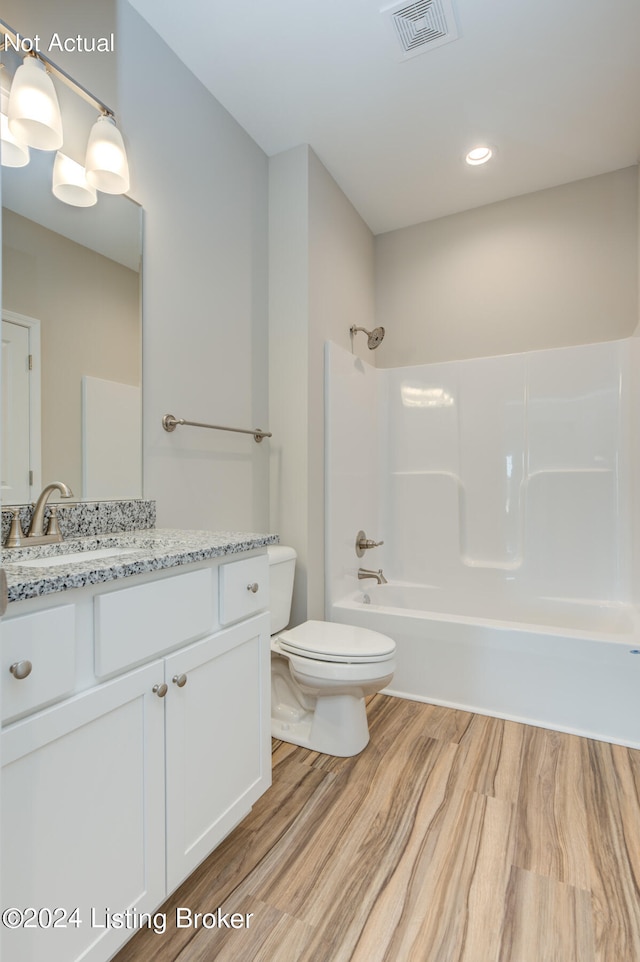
[[321, 672]]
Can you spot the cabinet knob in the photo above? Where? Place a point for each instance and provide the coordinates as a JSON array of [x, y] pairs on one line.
[[253, 587], [179, 680], [160, 690], [21, 669]]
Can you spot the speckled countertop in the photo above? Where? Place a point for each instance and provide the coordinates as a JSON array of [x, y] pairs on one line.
[[149, 549]]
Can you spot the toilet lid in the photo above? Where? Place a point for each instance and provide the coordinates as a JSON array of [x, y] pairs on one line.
[[326, 641]]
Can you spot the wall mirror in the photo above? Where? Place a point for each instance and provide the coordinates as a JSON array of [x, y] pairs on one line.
[[71, 340]]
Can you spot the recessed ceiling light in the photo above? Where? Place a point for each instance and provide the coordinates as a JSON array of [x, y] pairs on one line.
[[479, 155]]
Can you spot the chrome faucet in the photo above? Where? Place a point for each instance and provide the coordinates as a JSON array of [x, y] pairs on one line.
[[17, 538], [380, 578]]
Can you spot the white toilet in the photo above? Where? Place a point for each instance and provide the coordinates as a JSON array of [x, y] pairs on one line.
[[321, 672]]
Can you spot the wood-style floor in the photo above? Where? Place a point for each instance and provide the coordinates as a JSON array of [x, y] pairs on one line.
[[452, 838]]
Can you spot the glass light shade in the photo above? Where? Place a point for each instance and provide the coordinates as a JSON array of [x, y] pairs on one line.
[[106, 161], [12, 152], [70, 183], [34, 112]]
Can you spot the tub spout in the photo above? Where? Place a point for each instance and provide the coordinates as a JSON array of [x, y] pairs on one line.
[[364, 573]]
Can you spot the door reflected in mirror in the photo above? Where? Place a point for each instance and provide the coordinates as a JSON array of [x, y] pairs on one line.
[[71, 340]]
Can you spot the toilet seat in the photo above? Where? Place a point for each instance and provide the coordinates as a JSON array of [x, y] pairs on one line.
[[326, 641]]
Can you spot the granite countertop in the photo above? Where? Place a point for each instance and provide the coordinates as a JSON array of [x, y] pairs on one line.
[[40, 570]]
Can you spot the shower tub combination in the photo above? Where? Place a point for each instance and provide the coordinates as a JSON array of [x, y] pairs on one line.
[[504, 490], [569, 666]]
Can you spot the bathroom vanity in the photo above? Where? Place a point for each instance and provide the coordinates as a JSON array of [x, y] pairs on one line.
[[136, 727]]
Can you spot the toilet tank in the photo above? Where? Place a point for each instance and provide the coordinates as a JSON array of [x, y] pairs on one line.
[[282, 566]]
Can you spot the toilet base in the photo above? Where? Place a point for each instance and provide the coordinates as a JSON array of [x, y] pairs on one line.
[[333, 724], [337, 725]]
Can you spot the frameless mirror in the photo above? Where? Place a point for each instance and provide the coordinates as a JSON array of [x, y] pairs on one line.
[[71, 340]]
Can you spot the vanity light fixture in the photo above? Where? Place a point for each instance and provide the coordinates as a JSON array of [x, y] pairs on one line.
[[34, 111], [33, 119], [70, 183], [479, 155], [106, 161]]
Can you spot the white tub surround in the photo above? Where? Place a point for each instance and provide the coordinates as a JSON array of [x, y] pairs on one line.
[[502, 488]]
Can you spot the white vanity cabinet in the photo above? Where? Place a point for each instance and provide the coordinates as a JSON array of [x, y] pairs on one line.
[[113, 794], [81, 824], [218, 750]]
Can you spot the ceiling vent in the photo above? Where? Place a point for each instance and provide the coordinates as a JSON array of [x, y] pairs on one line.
[[422, 25]]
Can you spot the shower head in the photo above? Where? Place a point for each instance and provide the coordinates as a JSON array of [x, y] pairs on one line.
[[374, 337]]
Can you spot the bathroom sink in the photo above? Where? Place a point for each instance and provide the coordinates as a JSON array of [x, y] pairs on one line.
[[54, 561]]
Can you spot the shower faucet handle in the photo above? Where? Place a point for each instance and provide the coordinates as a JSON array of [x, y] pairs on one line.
[[363, 543]]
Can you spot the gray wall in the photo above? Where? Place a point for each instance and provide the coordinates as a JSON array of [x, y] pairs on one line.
[[203, 184], [548, 269], [321, 282]]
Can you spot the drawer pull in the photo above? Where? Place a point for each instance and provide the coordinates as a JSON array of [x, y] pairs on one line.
[[160, 690], [253, 587], [21, 669], [179, 680]]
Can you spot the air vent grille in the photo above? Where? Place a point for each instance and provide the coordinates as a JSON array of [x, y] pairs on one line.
[[423, 24]]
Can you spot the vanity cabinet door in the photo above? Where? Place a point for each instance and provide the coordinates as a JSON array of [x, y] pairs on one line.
[[218, 739], [83, 819]]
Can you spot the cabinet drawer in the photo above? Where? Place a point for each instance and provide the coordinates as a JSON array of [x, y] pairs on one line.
[[46, 639], [138, 623], [238, 579]]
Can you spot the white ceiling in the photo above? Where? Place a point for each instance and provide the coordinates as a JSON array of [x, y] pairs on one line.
[[554, 85]]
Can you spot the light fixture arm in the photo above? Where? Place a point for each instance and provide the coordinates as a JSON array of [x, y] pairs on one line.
[[57, 72]]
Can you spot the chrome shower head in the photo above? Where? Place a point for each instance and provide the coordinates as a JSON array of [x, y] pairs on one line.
[[374, 337]]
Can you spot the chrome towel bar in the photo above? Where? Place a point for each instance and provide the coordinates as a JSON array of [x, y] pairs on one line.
[[170, 423]]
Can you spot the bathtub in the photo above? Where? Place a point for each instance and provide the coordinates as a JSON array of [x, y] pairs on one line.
[[556, 663]]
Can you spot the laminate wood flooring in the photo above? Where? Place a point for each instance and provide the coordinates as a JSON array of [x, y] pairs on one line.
[[453, 837]]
